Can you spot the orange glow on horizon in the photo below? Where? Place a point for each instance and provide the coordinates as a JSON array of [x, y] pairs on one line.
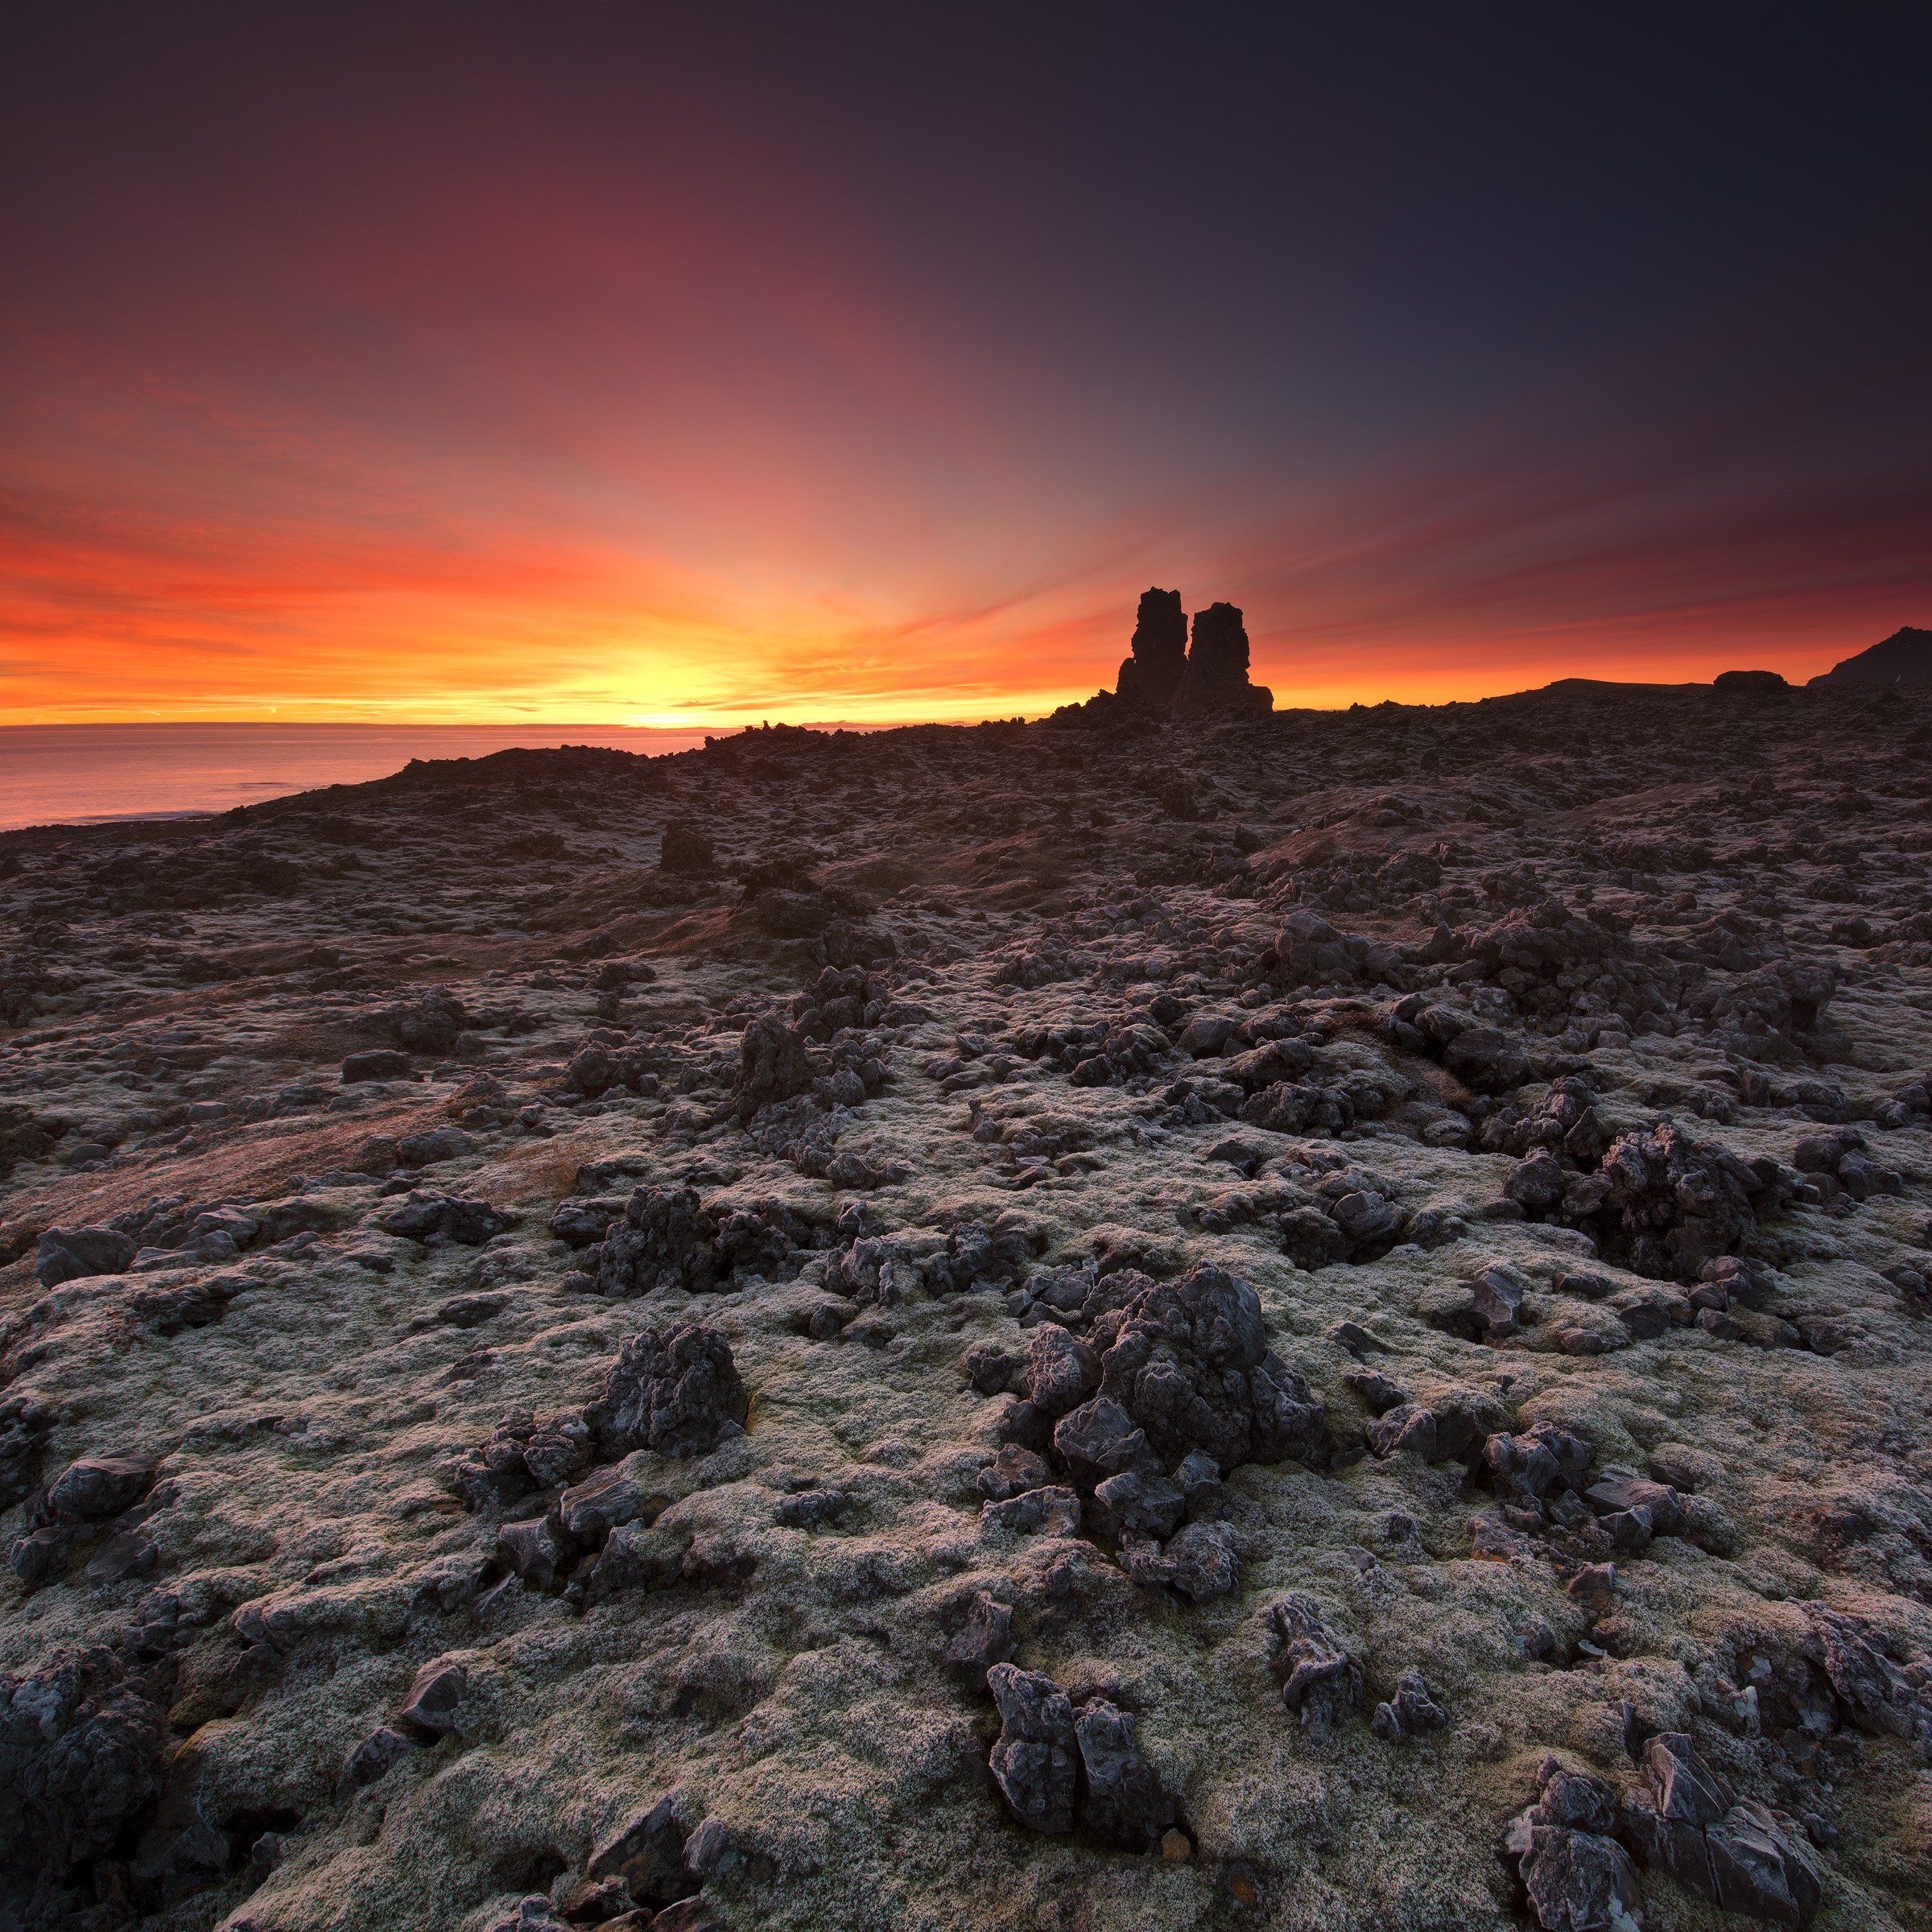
[[121, 609], [113, 626]]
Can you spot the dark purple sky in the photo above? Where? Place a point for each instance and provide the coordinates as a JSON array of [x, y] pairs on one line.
[[705, 362]]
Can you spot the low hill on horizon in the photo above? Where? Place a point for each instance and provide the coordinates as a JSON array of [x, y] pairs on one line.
[[1904, 658]]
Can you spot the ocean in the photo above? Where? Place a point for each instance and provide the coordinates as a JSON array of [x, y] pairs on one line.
[[86, 773]]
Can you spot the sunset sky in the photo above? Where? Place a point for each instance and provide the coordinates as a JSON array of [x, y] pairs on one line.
[[708, 364]]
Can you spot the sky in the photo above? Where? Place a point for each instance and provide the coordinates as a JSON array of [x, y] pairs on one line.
[[710, 363]]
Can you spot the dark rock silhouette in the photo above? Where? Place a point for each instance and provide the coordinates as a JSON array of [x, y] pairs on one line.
[[1216, 677], [1149, 678], [1745, 684], [1904, 658], [1165, 677]]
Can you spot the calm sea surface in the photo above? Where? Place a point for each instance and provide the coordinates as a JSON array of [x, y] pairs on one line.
[[68, 773]]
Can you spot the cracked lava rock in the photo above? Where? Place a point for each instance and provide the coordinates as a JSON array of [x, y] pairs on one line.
[[1318, 1321]]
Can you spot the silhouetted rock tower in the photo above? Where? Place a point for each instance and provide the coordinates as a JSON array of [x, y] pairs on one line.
[[1150, 677]]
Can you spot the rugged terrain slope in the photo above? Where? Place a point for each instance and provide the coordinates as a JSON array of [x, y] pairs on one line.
[[1301, 1321]]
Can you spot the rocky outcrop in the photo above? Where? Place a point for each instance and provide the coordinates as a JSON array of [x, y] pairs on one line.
[[1165, 676], [1903, 658], [1150, 676], [1055, 1764], [1216, 679]]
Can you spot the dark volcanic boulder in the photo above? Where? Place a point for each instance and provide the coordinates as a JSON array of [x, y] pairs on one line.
[[98, 1487], [430, 1023], [25, 1424], [1744, 683], [648, 1856], [1122, 1799], [1186, 1388], [80, 1749], [674, 1393], [1188, 1362], [1035, 1759], [1320, 1679], [1480, 1057], [1670, 1204], [1578, 1878], [782, 914], [1216, 677], [685, 849], [1758, 1013], [69, 1254], [1878, 1694], [773, 1066], [425, 1215], [1683, 1819], [1053, 1764], [1410, 1713], [1309, 952], [23, 1137], [1149, 678], [523, 1454], [668, 1238], [664, 1239]]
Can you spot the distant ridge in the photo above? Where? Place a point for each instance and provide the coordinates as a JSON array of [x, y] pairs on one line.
[[1904, 658]]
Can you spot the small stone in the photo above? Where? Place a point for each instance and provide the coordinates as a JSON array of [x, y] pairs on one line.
[[124, 1553], [375, 1063], [374, 1755], [1594, 1586], [535, 1550], [985, 1639], [434, 1699], [593, 1508]]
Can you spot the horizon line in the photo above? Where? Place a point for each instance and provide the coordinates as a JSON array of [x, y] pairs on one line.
[[659, 726]]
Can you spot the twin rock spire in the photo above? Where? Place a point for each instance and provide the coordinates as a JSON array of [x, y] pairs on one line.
[[1163, 675]]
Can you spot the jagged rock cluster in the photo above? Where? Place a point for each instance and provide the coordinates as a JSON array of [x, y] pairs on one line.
[[1318, 1323], [1139, 1397]]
